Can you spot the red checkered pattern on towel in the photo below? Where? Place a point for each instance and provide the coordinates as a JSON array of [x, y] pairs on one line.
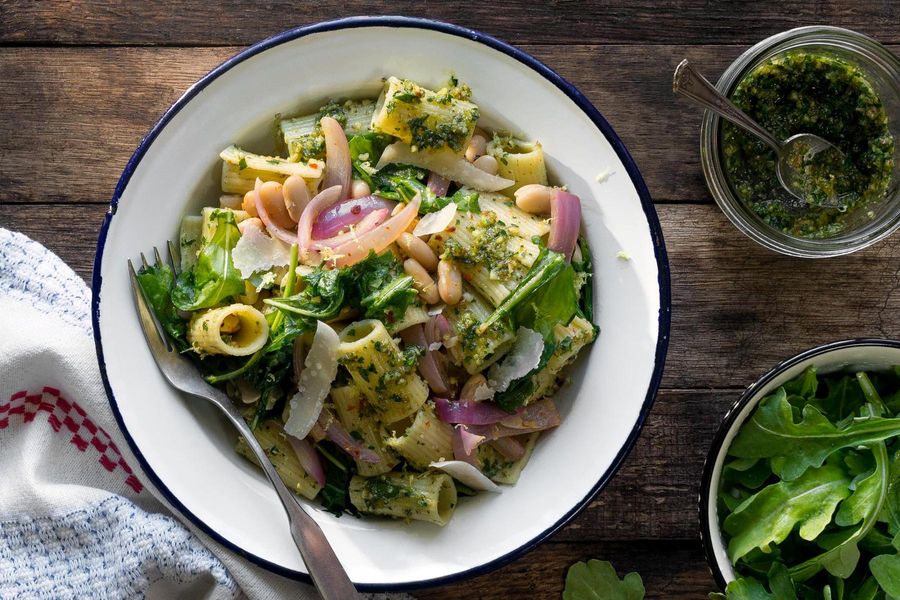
[[66, 416]]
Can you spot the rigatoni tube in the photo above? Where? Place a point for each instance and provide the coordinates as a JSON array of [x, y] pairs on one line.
[[235, 330], [427, 497]]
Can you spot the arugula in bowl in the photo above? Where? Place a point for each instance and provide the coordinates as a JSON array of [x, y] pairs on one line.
[[809, 496]]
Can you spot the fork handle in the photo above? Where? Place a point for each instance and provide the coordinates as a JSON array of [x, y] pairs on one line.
[[326, 570]]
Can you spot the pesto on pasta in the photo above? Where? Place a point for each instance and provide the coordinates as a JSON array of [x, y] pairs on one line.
[[390, 297]]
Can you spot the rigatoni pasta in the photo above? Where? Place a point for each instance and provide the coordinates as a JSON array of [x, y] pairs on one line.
[[395, 332]]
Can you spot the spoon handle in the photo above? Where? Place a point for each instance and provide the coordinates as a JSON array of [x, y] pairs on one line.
[[691, 84]]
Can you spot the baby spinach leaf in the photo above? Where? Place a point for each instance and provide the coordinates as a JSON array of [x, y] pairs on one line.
[[793, 447], [770, 515], [597, 580], [213, 278]]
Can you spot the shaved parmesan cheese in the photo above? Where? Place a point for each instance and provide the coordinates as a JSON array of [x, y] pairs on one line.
[[255, 252], [521, 360], [470, 441], [468, 474], [319, 371], [434, 346], [445, 163], [436, 222], [436, 309], [483, 392]]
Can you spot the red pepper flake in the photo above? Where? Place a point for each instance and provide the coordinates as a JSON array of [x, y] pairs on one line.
[[356, 209], [467, 276], [452, 228]]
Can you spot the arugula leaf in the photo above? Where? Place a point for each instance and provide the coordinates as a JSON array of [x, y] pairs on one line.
[[886, 570], [465, 200], [213, 278], [793, 446], [770, 515], [747, 588], [597, 580], [368, 145], [585, 269], [156, 281]]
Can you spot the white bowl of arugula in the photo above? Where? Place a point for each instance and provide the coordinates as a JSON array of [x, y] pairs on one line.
[[800, 495], [187, 450]]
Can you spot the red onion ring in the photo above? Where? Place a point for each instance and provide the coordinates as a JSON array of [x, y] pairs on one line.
[[379, 238], [542, 415], [509, 447], [285, 235], [565, 222], [336, 433], [337, 156], [469, 412], [367, 224], [430, 369], [347, 212], [309, 458], [438, 184], [320, 202], [465, 444]]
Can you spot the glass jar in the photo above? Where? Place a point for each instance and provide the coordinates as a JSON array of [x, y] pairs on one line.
[[881, 68]]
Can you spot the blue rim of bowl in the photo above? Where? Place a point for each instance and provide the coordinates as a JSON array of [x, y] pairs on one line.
[[728, 421], [573, 94]]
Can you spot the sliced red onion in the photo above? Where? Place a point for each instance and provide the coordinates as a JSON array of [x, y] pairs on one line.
[[320, 202], [309, 459], [347, 212], [429, 368], [438, 184], [379, 238], [285, 235], [437, 329], [565, 222], [469, 412], [540, 418], [509, 447], [337, 156], [367, 224], [465, 444], [298, 357], [336, 433]]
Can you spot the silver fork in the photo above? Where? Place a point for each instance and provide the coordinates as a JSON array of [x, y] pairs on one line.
[[326, 571]]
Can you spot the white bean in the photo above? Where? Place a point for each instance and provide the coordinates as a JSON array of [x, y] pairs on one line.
[[487, 163], [534, 198], [473, 383], [477, 147], [422, 281], [252, 222], [359, 189], [296, 196], [415, 248], [272, 197], [249, 203], [449, 282]]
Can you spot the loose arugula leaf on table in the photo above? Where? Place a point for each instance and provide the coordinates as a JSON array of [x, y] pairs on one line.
[[157, 281], [214, 278], [770, 515], [794, 446], [597, 580]]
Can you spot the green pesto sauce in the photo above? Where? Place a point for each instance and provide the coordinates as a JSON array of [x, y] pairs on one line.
[[801, 92]]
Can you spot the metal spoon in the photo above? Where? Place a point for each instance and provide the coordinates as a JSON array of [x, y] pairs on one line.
[[793, 153]]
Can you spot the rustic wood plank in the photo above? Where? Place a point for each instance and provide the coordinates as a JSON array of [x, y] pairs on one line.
[[80, 112], [558, 22], [670, 570], [751, 308]]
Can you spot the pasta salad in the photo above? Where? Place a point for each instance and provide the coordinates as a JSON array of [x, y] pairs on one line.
[[391, 300]]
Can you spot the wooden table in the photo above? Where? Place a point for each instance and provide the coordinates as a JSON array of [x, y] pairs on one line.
[[81, 81]]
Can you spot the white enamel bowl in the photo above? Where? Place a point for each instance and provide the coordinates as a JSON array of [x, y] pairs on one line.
[[186, 449], [860, 354]]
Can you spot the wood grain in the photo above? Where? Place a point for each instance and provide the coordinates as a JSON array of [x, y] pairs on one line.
[[670, 570], [556, 22], [750, 307]]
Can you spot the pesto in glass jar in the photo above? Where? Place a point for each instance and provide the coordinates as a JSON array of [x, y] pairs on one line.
[[805, 92]]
